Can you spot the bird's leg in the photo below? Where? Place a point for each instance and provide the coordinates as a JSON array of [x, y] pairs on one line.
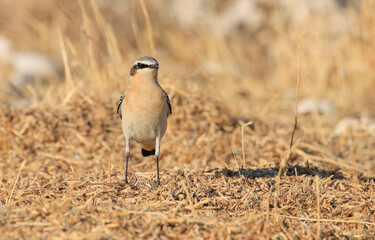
[[157, 167], [127, 150], [157, 153], [126, 170]]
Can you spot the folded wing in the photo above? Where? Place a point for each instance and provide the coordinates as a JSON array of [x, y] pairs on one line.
[[119, 104]]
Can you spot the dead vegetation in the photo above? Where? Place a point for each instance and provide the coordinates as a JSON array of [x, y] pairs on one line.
[[62, 159]]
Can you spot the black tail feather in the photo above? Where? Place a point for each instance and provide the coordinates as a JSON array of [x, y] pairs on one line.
[[146, 153]]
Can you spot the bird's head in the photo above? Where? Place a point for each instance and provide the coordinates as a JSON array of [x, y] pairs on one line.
[[145, 67]]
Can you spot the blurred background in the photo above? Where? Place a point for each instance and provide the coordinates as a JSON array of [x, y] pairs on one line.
[[244, 51], [245, 56]]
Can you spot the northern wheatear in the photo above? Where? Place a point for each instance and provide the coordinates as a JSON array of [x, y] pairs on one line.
[[143, 109]]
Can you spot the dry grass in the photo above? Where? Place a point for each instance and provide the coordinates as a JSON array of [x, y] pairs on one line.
[[62, 159]]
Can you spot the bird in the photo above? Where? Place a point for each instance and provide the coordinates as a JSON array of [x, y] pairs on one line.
[[144, 108]]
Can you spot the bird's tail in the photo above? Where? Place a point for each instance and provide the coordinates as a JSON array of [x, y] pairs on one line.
[[146, 153]]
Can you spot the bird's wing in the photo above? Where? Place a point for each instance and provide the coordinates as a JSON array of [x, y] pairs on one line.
[[168, 102], [119, 104]]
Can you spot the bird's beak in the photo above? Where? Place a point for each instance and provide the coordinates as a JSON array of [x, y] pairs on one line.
[[156, 66]]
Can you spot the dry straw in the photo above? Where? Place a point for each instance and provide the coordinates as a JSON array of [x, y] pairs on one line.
[[62, 163]]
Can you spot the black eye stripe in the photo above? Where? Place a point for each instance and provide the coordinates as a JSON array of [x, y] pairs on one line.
[[140, 66]]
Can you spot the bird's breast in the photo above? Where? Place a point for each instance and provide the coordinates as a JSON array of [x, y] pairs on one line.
[[143, 114]]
